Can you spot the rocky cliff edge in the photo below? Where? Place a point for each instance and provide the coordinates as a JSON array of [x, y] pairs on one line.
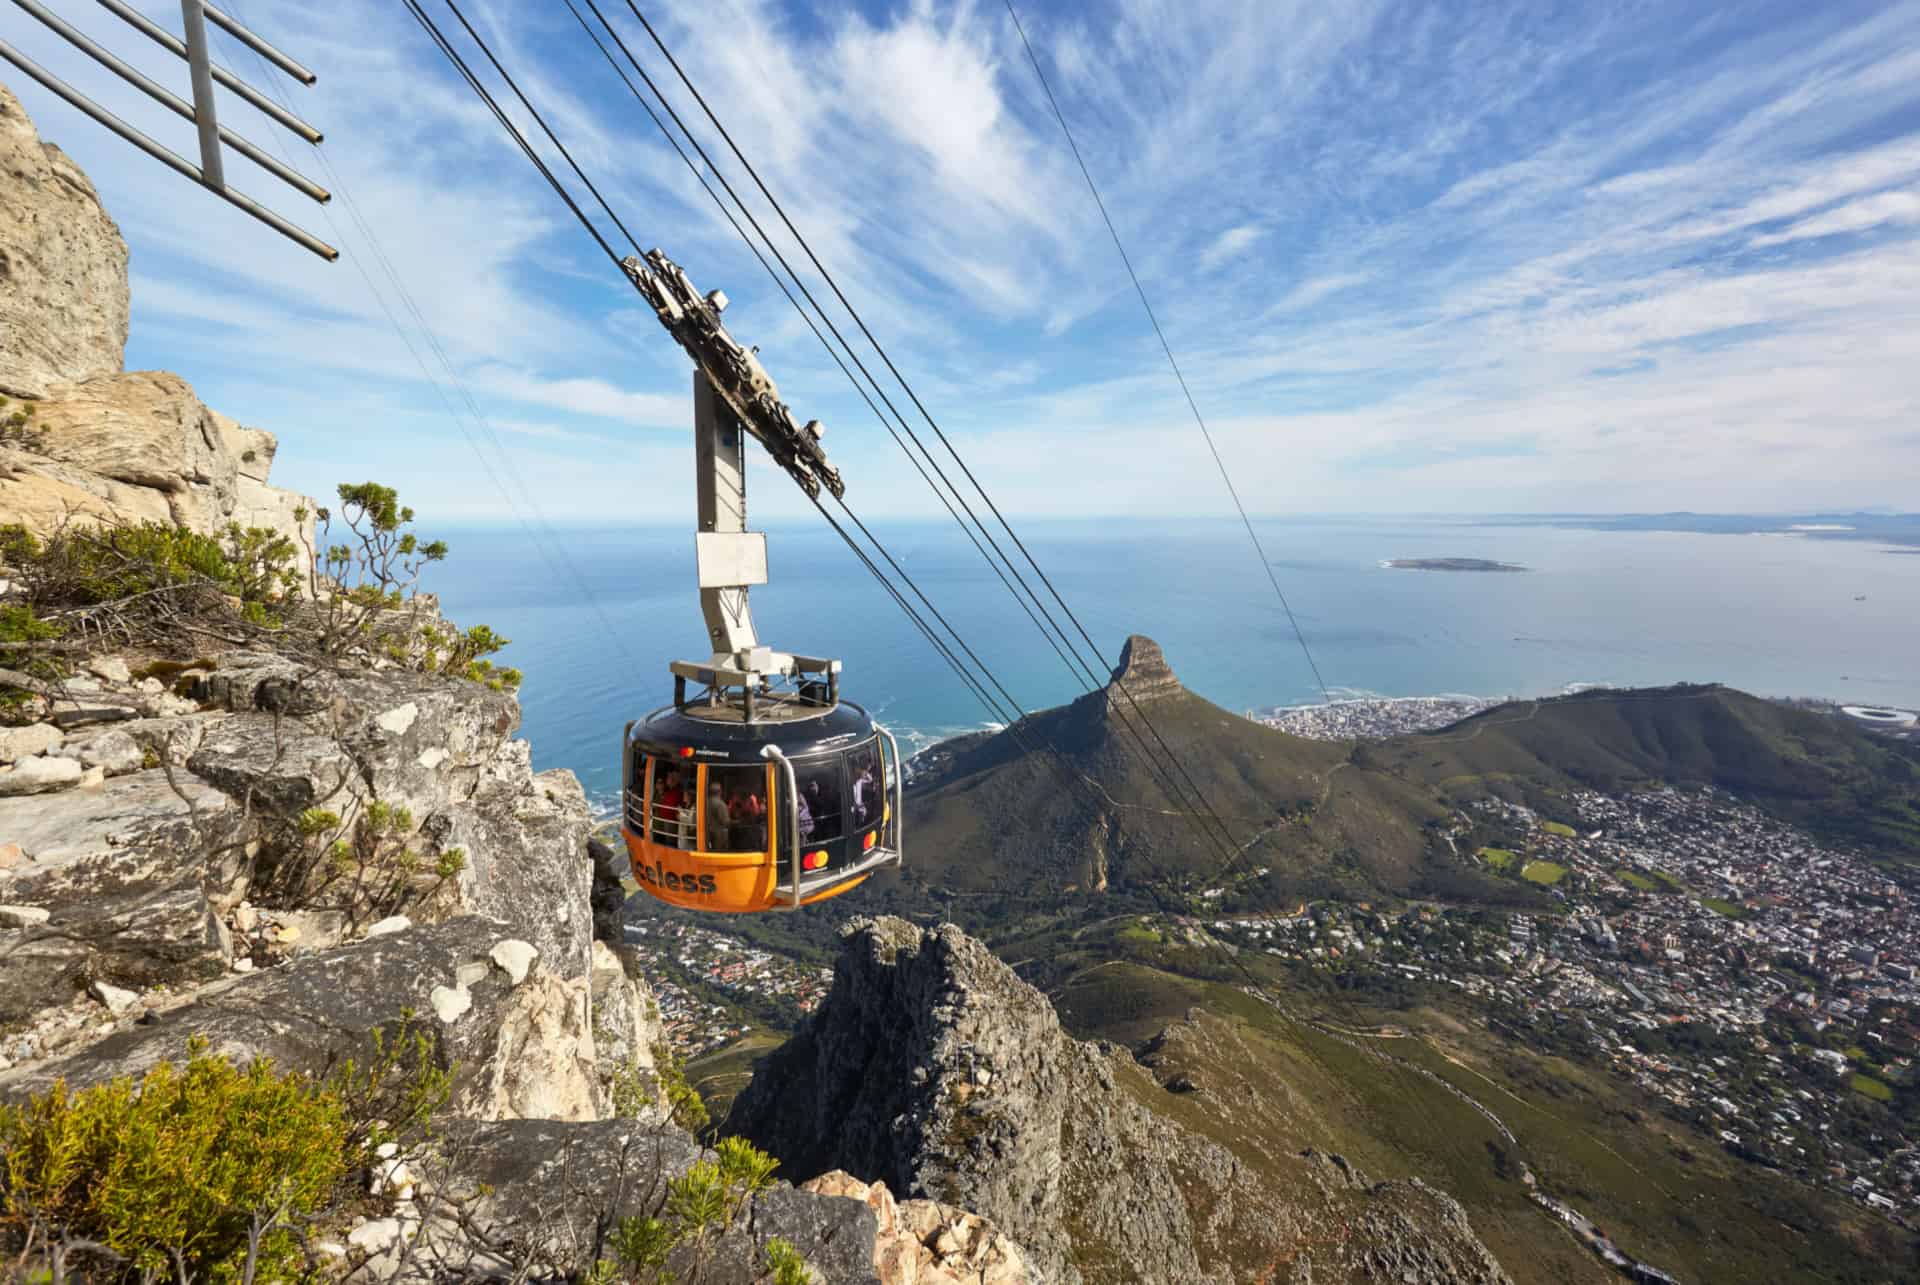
[[105, 446], [932, 1068]]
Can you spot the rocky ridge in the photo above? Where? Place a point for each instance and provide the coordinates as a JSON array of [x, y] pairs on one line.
[[932, 1068]]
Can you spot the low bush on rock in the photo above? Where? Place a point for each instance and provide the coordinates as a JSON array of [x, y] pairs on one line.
[[28, 650], [194, 1172], [16, 424], [698, 1206], [366, 863], [125, 580], [207, 1171], [167, 588]]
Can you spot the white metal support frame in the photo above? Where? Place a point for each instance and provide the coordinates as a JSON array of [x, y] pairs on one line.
[[202, 111]]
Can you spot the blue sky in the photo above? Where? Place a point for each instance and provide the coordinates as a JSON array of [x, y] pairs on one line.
[[1413, 257]]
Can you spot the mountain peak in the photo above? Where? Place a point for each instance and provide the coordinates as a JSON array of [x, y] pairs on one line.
[[1143, 671]]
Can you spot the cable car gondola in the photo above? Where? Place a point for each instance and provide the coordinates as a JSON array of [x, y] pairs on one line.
[[758, 789]]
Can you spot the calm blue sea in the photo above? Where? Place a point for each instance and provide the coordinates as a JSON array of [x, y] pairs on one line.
[[595, 614]]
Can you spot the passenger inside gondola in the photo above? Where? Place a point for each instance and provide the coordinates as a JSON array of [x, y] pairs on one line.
[[672, 806], [748, 814], [719, 823], [823, 801]]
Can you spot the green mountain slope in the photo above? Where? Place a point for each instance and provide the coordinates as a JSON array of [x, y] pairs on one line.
[[1112, 804], [1413, 1099], [1085, 798], [1817, 771]]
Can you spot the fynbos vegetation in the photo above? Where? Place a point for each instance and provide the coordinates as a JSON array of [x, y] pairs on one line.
[[206, 1171], [178, 593]]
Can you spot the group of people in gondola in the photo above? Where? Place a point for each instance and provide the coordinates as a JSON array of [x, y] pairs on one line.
[[736, 817]]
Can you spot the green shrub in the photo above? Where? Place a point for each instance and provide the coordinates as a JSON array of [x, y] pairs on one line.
[[688, 1108], [87, 567], [371, 852], [173, 1174], [20, 631], [785, 1266], [699, 1205], [395, 1092], [632, 1091], [17, 427], [641, 1245]]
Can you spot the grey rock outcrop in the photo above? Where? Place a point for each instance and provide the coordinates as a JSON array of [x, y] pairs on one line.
[[518, 1048], [1143, 672], [122, 872], [188, 815], [63, 266], [109, 447], [931, 1067], [540, 1196]]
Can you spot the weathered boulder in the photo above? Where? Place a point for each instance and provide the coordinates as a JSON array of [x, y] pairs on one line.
[[536, 1199], [113, 750], [277, 766], [144, 428], [45, 495], [63, 267], [39, 774], [422, 739], [932, 1068], [526, 862], [124, 872], [23, 742], [923, 1242], [516, 1050], [243, 682], [172, 739]]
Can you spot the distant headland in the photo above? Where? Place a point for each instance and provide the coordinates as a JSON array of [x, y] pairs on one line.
[[1450, 564]]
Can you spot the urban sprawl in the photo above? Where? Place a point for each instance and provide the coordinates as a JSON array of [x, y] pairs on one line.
[[1758, 984]]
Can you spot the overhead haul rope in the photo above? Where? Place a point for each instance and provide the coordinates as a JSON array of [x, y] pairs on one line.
[[1012, 715], [1014, 724], [1225, 476], [1177, 764]]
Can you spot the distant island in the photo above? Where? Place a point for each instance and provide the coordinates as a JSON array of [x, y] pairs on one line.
[[1450, 564]]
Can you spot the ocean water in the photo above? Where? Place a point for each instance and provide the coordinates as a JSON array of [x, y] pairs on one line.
[[595, 614]]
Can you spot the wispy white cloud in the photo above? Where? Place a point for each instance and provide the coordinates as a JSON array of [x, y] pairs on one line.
[[1408, 257], [1230, 245], [1855, 216]]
